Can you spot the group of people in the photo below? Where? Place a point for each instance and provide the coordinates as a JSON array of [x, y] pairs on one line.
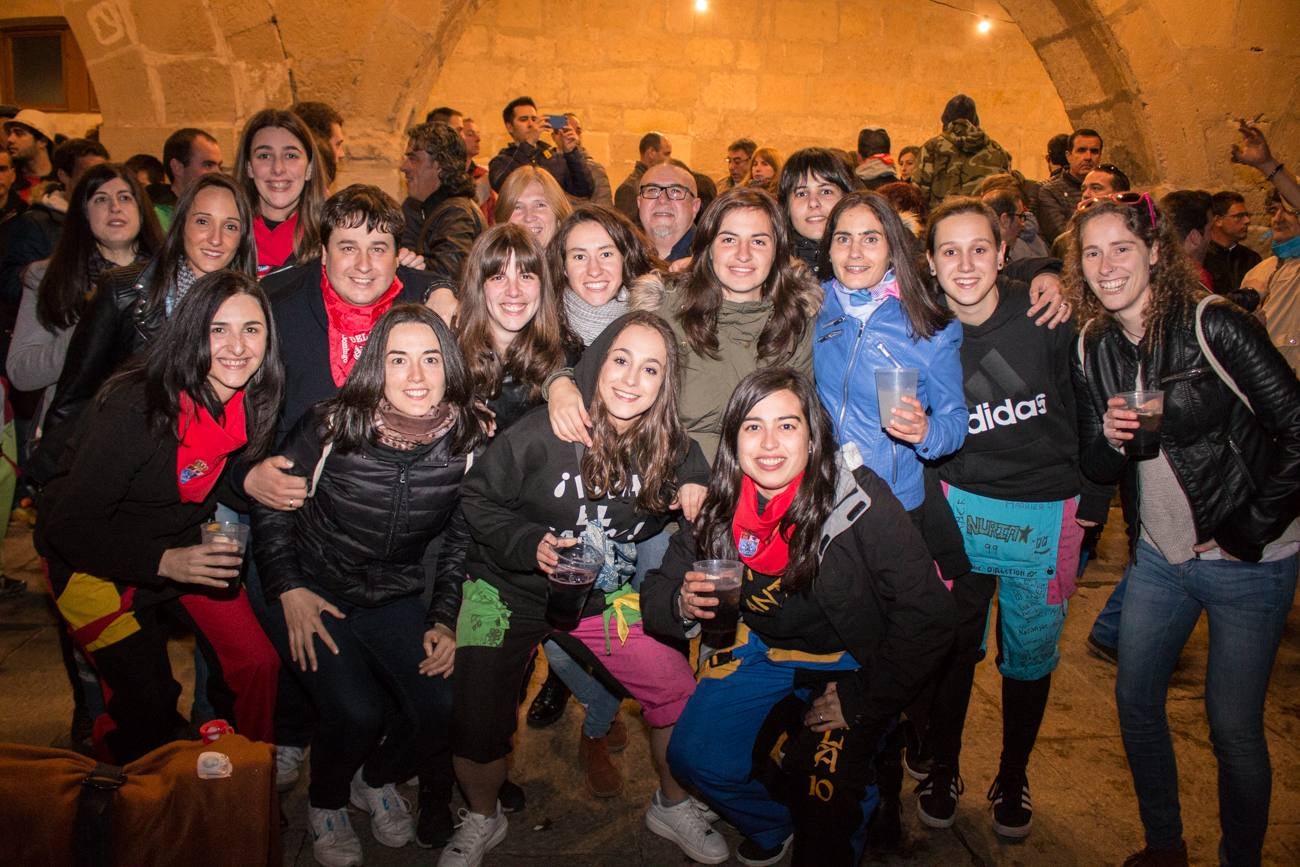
[[422, 415]]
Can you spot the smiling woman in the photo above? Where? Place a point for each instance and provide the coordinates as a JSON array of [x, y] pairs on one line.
[[211, 230], [120, 526]]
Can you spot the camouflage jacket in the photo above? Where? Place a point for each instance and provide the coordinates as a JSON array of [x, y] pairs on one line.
[[953, 163]]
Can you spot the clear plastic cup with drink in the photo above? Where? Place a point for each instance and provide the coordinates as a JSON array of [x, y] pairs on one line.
[[228, 532], [892, 385], [570, 584], [725, 576], [1150, 409]]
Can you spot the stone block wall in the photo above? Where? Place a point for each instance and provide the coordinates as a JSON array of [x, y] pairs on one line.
[[787, 73]]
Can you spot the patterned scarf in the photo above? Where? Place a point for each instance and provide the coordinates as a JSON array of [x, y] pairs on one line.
[[350, 326], [587, 321], [403, 432]]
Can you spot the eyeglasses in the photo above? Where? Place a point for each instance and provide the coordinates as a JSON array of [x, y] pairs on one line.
[[1129, 198], [675, 192], [735, 161]]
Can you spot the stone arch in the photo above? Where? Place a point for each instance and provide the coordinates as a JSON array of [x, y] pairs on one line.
[[1161, 77]]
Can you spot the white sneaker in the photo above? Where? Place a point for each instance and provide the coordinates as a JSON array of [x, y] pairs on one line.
[[475, 837], [684, 825], [706, 812], [288, 766], [390, 813], [334, 843]]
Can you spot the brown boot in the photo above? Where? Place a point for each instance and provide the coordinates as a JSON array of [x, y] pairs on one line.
[[1149, 857], [603, 779], [616, 737]]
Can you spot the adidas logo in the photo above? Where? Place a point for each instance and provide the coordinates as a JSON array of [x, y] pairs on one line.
[[987, 416]]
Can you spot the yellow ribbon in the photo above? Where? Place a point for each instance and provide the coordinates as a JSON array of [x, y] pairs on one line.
[[620, 606]]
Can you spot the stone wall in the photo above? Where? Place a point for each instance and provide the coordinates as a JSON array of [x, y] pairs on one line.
[[787, 73]]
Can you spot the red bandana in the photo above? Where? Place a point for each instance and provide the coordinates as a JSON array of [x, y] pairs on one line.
[[274, 246], [205, 444], [349, 326], [761, 547]]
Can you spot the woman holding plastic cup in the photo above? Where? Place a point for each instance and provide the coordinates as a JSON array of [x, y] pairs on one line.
[[120, 521], [843, 617], [1215, 509], [530, 500], [386, 457]]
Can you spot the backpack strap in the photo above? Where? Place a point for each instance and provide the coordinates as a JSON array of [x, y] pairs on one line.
[[92, 831], [1210, 357]]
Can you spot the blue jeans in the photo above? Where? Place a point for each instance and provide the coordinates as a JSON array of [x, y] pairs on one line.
[[1105, 629], [1247, 606]]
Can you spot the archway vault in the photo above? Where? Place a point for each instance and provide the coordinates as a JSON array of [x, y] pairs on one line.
[[1160, 77]]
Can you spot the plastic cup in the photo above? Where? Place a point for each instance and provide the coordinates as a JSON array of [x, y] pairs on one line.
[[225, 531], [1150, 409], [725, 576], [892, 385], [569, 585]]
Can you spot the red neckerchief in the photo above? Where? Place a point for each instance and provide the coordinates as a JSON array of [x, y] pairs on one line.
[[350, 326], [761, 547], [274, 246], [205, 443]]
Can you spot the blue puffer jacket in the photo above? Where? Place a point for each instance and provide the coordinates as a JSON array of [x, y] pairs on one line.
[[846, 351]]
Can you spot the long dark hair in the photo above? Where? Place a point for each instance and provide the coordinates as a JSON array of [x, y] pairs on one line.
[[538, 350], [802, 524], [702, 291], [655, 443], [65, 290], [823, 163], [173, 248], [352, 410], [179, 360], [306, 242], [925, 315]]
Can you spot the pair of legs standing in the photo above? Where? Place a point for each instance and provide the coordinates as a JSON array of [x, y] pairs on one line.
[[1247, 606]]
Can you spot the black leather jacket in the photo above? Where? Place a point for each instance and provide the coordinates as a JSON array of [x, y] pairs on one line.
[[1239, 469], [362, 534], [116, 325]]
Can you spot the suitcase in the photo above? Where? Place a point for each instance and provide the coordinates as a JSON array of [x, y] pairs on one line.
[[61, 809]]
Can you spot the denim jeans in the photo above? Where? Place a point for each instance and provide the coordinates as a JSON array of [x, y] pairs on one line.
[[1247, 606], [1105, 629], [601, 704]]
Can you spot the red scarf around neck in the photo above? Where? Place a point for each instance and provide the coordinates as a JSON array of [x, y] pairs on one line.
[[761, 547], [205, 443], [350, 326], [274, 246]]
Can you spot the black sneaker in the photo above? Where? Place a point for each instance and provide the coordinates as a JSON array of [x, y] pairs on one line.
[[511, 797], [1013, 811], [751, 854], [917, 758], [549, 703], [937, 795], [435, 824], [1104, 652]]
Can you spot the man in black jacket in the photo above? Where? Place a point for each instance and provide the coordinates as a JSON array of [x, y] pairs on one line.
[[442, 218], [566, 161]]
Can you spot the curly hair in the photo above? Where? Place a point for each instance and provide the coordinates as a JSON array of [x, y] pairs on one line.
[[1173, 283], [446, 148], [702, 291]]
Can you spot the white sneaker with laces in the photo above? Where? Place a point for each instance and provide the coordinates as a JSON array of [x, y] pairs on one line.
[[475, 836], [390, 813], [684, 825], [288, 766], [706, 812], [334, 843]]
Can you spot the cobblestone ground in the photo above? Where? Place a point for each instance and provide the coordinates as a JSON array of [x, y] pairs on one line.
[[1085, 812]]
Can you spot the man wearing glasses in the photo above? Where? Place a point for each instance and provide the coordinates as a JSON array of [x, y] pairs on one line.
[[667, 202], [1227, 258], [740, 154]]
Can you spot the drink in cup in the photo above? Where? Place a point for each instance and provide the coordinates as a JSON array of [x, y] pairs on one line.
[[229, 532], [892, 385], [570, 583], [725, 576], [1150, 408]]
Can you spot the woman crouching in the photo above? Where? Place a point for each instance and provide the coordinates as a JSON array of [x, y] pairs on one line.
[[843, 616]]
